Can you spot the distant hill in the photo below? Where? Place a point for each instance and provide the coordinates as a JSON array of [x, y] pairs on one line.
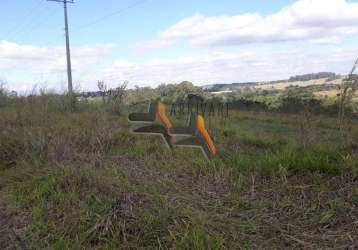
[[308, 77], [298, 78]]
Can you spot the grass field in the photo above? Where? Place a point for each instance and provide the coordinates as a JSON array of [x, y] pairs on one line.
[[81, 180], [284, 85]]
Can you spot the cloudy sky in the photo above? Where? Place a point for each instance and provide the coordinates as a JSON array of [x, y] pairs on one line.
[[149, 42]]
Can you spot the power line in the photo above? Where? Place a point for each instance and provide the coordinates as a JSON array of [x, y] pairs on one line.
[[27, 17], [110, 15], [35, 25], [32, 16], [33, 20]]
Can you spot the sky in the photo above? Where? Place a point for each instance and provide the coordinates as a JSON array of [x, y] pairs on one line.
[[151, 42]]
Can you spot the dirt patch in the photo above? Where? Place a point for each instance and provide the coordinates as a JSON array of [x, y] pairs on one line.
[[12, 229]]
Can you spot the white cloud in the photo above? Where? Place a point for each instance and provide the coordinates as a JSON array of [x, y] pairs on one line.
[[222, 66], [227, 67], [323, 21], [153, 44], [25, 65], [48, 59]]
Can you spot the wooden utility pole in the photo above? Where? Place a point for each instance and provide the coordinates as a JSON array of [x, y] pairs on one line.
[[68, 53]]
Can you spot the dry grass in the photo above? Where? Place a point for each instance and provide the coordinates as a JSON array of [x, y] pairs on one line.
[[82, 181], [284, 85], [326, 93]]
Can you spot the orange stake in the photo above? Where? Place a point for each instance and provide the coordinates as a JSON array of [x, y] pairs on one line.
[[162, 116], [200, 125]]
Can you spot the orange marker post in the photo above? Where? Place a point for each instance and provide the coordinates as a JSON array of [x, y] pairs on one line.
[[200, 125], [162, 116]]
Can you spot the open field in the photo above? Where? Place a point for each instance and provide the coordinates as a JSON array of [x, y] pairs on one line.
[[327, 93], [284, 85], [81, 180]]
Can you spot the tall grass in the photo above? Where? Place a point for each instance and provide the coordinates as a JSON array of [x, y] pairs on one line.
[[81, 180]]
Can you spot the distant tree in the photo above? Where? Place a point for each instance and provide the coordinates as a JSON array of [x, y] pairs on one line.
[[312, 76], [103, 90], [3, 93], [194, 98], [295, 101], [116, 96]]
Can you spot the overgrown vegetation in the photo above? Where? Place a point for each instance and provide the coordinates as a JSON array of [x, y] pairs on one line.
[[81, 180], [292, 99]]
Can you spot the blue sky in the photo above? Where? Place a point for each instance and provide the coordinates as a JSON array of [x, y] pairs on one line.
[[150, 42]]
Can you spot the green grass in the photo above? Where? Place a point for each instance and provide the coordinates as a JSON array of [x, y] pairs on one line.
[[81, 180]]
